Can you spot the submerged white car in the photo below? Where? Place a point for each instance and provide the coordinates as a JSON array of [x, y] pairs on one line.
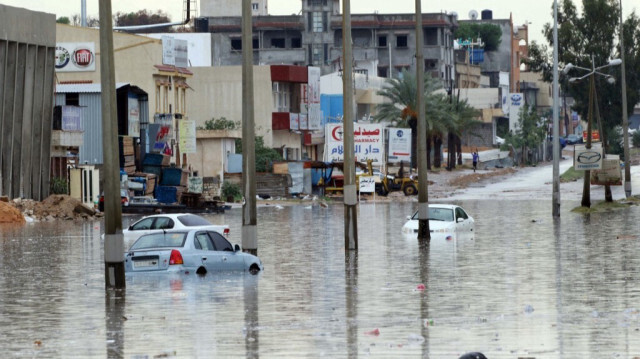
[[443, 218]]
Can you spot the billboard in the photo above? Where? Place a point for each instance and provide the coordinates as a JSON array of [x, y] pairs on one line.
[[187, 129], [367, 140], [399, 144], [311, 102], [516, 101], [75, 57], [175, 52]]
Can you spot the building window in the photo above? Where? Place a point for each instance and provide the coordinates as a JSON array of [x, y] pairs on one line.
[[278, 43], [382, 41], [72, 99], [281, 92], [296, 43], [317, 2], [431, 37], [254, 6], [317, 22], [236, 44], [401, 41], [316, 54], [383, 71]]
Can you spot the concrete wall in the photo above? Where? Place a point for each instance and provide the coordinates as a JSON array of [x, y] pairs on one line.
[[27, 54], [214, 8], [212, 147], [134, 58], [219, 91]]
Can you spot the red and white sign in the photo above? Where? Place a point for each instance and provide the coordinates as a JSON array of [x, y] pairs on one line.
[[367, 138], [399, 144]]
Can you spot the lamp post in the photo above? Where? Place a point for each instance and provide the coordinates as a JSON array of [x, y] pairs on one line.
[[586, 195], [625, 117]]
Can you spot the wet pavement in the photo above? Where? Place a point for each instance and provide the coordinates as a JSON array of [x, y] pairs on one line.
[[523, 287]]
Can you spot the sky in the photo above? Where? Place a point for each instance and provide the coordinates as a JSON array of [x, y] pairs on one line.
[[536, 13]]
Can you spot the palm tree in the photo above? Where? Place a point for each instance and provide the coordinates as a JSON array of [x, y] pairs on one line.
[[401, 94], [463, 118]]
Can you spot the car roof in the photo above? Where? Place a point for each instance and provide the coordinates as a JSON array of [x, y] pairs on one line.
[[450, 206], [171, 215]]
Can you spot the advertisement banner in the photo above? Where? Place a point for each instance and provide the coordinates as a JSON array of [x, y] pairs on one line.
[[134, 117], [587, 159], [516, 101], [367, 141], [367, 184], [399, 144], [610, 174], [313, 99], [75, 57], [294, 121], [187, 129], [181, 52], [168, 54]]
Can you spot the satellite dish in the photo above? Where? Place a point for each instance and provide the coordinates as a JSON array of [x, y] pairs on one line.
[[473, 15]]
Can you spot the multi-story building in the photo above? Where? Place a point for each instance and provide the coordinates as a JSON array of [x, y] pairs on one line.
[[383, 44]]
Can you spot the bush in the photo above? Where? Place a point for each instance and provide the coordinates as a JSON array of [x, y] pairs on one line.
[[59, 185], [635, 139], [231, 190]]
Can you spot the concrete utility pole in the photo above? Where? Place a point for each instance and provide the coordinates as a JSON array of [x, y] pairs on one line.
[[249, 212], [625, 117], [113, 239], [555, 205], [350, 197], [424, 235]]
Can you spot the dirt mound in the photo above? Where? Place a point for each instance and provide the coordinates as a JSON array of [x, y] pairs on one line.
[[10, 214], [466, 180], [54, 207]]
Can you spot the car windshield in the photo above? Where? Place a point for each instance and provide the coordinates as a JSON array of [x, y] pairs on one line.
[[191, 220], [160, 240], [440, 214]]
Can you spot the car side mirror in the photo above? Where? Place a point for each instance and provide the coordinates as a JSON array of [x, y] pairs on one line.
[[131, 227], [236, 247], [460, 219], [408, 217]]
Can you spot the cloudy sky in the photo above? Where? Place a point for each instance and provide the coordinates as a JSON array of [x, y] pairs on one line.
[[537, 13]]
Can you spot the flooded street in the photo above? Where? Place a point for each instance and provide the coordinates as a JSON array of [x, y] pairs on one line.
[[522, 287]]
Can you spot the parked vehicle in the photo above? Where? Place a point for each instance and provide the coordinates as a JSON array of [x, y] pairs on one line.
[[160, 223], [199, 251], [573, 139], [443, 218]]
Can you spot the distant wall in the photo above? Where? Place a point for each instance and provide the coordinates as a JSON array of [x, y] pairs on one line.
[[27, 55]]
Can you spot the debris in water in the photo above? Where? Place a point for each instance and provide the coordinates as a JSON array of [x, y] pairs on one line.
[[374, 332], [474, 355], [528, 309], [421, 287]]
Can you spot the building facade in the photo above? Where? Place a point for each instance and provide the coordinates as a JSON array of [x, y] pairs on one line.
[[383, 44]]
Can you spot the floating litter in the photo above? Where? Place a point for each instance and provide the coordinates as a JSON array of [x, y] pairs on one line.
[[421, 287], [375, 332]]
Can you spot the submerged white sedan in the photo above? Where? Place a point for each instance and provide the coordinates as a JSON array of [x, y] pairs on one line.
[[443, 218]]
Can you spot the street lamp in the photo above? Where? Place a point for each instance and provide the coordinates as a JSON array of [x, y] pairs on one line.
[[586, 196]]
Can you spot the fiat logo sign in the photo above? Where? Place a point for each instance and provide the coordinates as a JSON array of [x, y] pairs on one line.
[[82, 57]]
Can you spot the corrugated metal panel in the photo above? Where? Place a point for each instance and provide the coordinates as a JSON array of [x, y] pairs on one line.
[[84, 88], [60, 99], [91, 150]]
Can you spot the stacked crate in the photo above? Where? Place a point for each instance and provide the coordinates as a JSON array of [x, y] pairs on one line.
[[127, 154], [173, 182]]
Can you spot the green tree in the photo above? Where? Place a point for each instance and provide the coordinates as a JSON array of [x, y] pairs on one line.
[[401, 94], [593, 31], [265, 156], [220, 124], [142, 17], [63, 20], [490, 34], [530, 133]]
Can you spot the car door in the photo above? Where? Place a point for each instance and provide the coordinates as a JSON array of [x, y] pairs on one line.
[[230, 259], [463, 224], [204, 253]]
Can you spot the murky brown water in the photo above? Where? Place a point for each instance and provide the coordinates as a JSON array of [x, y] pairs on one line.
[[523, 287]]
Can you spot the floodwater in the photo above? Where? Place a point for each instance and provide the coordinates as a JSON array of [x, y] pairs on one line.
[[523, 287]]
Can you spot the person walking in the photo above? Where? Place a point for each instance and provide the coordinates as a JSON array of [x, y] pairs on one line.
[[475, 160]]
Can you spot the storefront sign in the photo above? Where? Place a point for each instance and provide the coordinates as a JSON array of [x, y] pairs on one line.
[[187, 133], [75, 57], [587, 159], [367, 141]]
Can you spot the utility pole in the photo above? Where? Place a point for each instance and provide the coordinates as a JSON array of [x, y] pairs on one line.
[[586, 185], [555, 196], [113, 238], [249, 211], [424, 235], [625, 117], [350, 197]]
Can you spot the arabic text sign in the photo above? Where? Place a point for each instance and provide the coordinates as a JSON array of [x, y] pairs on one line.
[[587, 159], [399, 144], [367, 141], [367, 184], [187, 129]]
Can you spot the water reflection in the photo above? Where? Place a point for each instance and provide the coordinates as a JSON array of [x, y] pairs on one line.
[[523, 286]]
